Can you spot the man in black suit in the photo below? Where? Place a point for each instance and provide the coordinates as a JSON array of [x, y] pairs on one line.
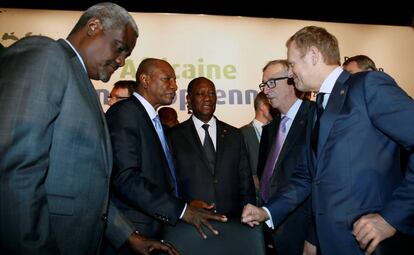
[[144, 185], [289, 236], [222, 178]]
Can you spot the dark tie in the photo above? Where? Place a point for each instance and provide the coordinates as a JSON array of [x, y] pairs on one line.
[[272, 158], [315, 131], [160, 132], [209, 148]]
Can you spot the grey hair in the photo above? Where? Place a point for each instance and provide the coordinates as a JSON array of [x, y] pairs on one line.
[[112, 17]]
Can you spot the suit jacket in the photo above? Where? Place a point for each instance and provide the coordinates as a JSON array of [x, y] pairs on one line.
[[357, 170], [291, 232], [230, 185], [143, 187], [252, 145], [55, 152]]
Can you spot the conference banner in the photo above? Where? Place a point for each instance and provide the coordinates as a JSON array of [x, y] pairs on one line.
[[231, 51]]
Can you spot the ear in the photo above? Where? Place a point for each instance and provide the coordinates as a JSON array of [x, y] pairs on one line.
[[315, 55], [144, 80], [93, 26]]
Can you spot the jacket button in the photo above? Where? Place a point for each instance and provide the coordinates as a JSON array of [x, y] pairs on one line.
[[104, 217]]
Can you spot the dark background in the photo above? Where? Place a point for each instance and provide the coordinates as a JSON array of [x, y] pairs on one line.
[[360, 12]]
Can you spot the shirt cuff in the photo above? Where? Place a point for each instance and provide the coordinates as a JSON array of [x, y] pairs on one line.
[[269, 222], [182, 213]]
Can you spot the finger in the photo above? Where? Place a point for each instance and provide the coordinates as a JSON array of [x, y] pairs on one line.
[[372, 246], [364, 236], [257, 223], [358, 226], [172, 249], [200, 231], [209, 226]]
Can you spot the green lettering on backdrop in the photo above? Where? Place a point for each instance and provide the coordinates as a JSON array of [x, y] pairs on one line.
[[187, 71], [128, 70]]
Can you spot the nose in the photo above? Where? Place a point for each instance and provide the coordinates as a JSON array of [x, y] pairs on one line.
[[173, 84], [266, 90], [120, 60]]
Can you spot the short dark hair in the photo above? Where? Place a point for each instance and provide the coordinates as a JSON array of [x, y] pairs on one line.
[[194, 81], [363, 62], [126, 84], [260, 99]]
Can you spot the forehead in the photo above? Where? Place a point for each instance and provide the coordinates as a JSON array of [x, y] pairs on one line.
[[203, 84], [162, 68], [293, 52], [125, 35]]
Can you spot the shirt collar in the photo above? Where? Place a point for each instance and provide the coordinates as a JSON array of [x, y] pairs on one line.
[[198, 123], [148, 107], [293, 109], [329, 82], [77, 54]]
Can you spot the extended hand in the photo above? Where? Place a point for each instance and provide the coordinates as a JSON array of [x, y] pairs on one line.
[[143, 245], [371, 229], [198, 217], [253, 215]]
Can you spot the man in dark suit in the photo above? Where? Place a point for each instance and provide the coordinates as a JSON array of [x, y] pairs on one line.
[[359, 195], [144, 182], [225, 179], [55, 151], [289, 235], [253, 131]]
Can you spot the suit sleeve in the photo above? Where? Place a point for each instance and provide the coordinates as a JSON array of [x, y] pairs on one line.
[[392, 112], [129, 183], [247, 190], [32, 85], [296, 191], [119, 227]]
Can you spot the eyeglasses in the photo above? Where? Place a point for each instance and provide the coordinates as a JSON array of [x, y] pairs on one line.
[[117, 98], [271, 83]]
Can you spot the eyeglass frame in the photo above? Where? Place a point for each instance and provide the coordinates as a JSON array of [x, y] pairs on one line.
[[117, 97], [273, 81]]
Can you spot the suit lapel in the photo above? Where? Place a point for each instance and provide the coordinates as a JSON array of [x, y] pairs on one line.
[[295, 129], [190, 133], [334, 106], [222, 134], [88, 90], [156, 139]]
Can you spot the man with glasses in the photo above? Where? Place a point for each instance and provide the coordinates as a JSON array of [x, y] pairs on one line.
[[122, 90], [281, 148]]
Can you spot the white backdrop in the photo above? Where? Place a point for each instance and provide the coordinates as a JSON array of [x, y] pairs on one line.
[[229, 50]]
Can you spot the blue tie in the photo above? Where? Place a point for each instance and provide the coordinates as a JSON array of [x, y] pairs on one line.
[[160, 132]]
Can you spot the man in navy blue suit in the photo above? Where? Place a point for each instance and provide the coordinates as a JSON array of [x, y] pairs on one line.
[[360, 197]]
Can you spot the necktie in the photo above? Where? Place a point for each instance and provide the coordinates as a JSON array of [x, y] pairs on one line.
[[272, 158], [315, 131], [160, 132], [208, 147]]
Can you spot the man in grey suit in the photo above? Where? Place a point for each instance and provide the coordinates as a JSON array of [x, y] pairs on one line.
[[55, 150], [253, 131], [275, 173]]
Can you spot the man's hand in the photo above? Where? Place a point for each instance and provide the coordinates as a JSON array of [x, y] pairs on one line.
[[143, 245], [253, 215], [198, 217], [372, 229]]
